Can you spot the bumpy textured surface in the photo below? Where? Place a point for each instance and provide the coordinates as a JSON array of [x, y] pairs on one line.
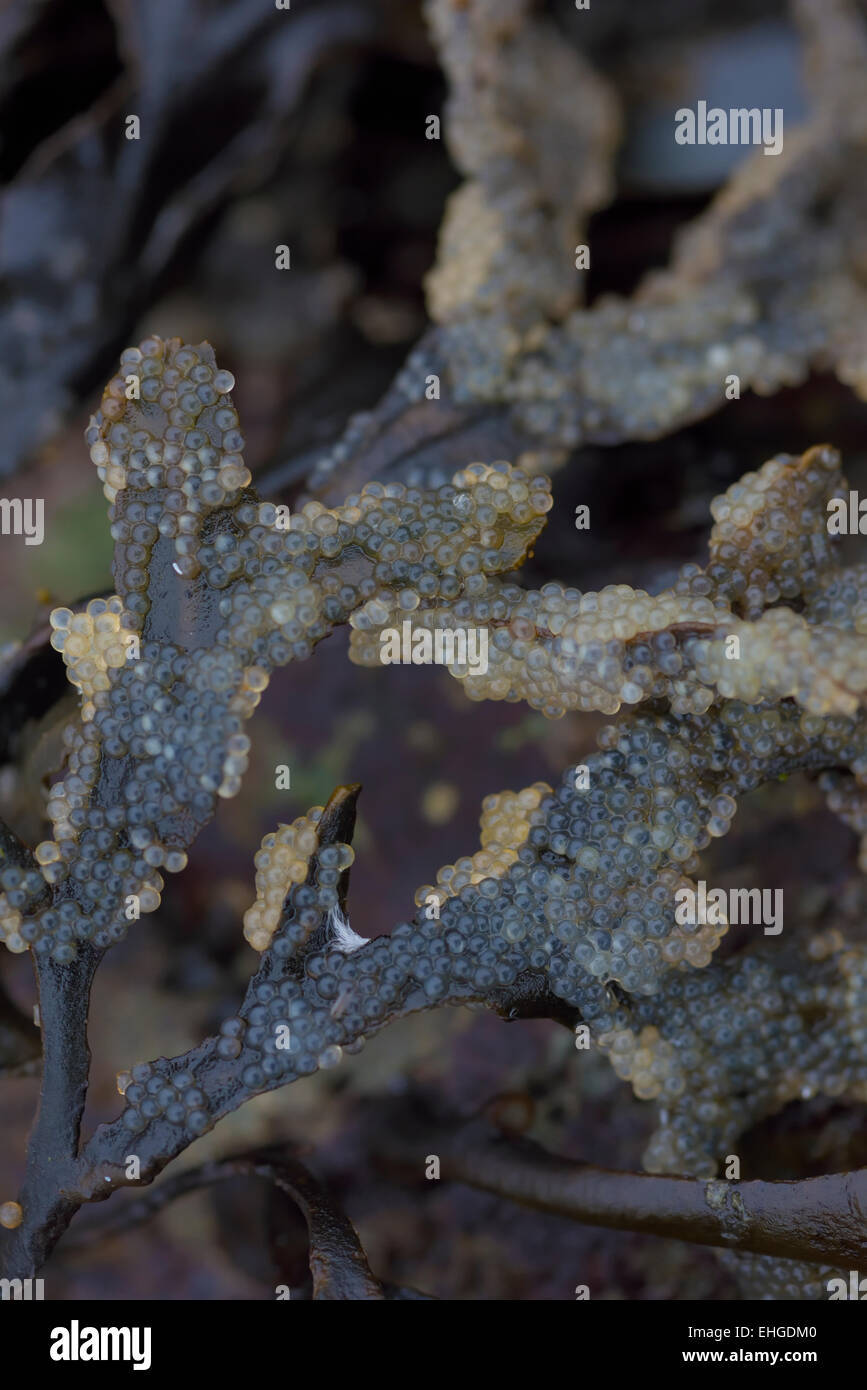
[[184, 437], [766, 285], [762, 285], [763, 1278], [735, 1042], [757, 555], [574, 886], [535, 169], [284, 859], [160, 735], [558, 649], [585, 902], [505, 824]]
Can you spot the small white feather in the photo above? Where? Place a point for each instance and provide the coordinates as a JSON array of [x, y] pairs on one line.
[[340, 933]]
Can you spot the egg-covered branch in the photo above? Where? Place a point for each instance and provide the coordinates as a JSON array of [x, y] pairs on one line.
[[762, 288], [214, 593], [722, 630], [568, 907], [572, 892]]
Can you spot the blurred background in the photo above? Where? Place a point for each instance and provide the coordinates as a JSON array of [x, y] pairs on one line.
[[306, 127]]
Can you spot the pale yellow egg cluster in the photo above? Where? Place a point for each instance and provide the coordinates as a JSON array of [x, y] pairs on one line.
[[505, 824], [564, 650], [644, 1058], [559, 649], [783, 656], [93, 643], [283, 859], [471, 236], [535, 166], [10, 921], [714, 324]]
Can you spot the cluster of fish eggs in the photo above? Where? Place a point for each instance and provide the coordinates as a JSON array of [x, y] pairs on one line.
[[644, 1058], [110, 853], [152, 1092], [294, 1029], [767, 1278], [298, 1026], [781, 656], [21, 888], [400, 541], [278, 610], [286, 1028], [610, 371], [175, 719], [580, 883], [840, 600], [187, 442], [281, 861], [93, 643], [733, 1043], [407, 538], [504, 826], [610, 854], [176, 716], [471, 233], [770, 539], [588, 894], [613, 853], [541, 914], [559, 650]]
